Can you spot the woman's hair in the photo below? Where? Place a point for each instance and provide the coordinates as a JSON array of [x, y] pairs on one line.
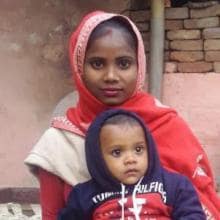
[[119, 23]]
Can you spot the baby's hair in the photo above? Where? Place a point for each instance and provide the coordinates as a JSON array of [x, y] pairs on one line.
[[119, 23], [122, 119]]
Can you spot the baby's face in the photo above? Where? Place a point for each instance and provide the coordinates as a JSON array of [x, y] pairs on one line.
[[124, 149], [110, 68]]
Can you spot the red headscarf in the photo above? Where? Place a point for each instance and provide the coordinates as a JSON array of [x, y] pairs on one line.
[[179, 150], [88, 107]]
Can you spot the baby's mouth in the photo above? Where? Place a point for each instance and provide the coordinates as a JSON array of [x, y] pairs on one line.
[[131, 172]]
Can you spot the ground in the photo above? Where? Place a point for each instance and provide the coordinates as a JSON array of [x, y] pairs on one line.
[[15, 211]]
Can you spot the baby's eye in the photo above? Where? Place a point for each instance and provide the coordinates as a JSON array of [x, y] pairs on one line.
[[97, 63], [116, 153], [139, 149], [124, 63]]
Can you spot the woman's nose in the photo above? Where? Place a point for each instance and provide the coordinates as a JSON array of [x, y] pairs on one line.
[[111, 74]]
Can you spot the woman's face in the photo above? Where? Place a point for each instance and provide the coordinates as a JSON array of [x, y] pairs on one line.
[[110, 68]]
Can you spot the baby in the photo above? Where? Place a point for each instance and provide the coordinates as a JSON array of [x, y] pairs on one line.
[[128, 181]]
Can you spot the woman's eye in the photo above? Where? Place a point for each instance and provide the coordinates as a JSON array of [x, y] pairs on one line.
[[124, 63], [116, 153], [97, 64]]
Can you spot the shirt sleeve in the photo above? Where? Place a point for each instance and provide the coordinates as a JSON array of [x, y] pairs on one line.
[[52, 194], [187, 204]]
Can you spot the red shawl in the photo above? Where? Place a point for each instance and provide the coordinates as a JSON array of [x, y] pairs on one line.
[[179, 150]]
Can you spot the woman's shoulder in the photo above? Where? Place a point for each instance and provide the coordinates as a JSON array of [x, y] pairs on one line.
[[56, 146], [59, 140], [62, 122], [57, 135]]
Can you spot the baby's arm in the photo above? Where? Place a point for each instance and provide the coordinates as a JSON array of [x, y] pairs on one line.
[[69, 213], [187, 205]]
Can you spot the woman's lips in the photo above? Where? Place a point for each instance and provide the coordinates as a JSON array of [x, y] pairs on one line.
[[111, 92]]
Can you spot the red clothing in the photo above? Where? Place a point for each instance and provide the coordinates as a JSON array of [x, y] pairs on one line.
[[53, 194]]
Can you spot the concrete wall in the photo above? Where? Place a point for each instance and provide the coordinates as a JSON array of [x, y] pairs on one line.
[[35, 76], [197, 98]]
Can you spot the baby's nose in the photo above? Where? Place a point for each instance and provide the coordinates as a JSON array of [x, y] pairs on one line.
[[130, 158]]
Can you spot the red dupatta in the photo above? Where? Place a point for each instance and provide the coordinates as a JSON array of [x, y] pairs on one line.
[[88, 107], [179, 150]]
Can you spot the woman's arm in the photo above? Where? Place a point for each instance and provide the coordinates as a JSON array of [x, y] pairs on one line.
[[52, 194]]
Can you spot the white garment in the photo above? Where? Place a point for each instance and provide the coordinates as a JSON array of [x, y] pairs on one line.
[[61, 153]]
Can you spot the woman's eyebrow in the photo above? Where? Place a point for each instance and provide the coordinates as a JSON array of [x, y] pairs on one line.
[[91, 58], [130, 58]]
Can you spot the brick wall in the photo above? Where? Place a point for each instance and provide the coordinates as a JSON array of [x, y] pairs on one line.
[[192, 38]]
